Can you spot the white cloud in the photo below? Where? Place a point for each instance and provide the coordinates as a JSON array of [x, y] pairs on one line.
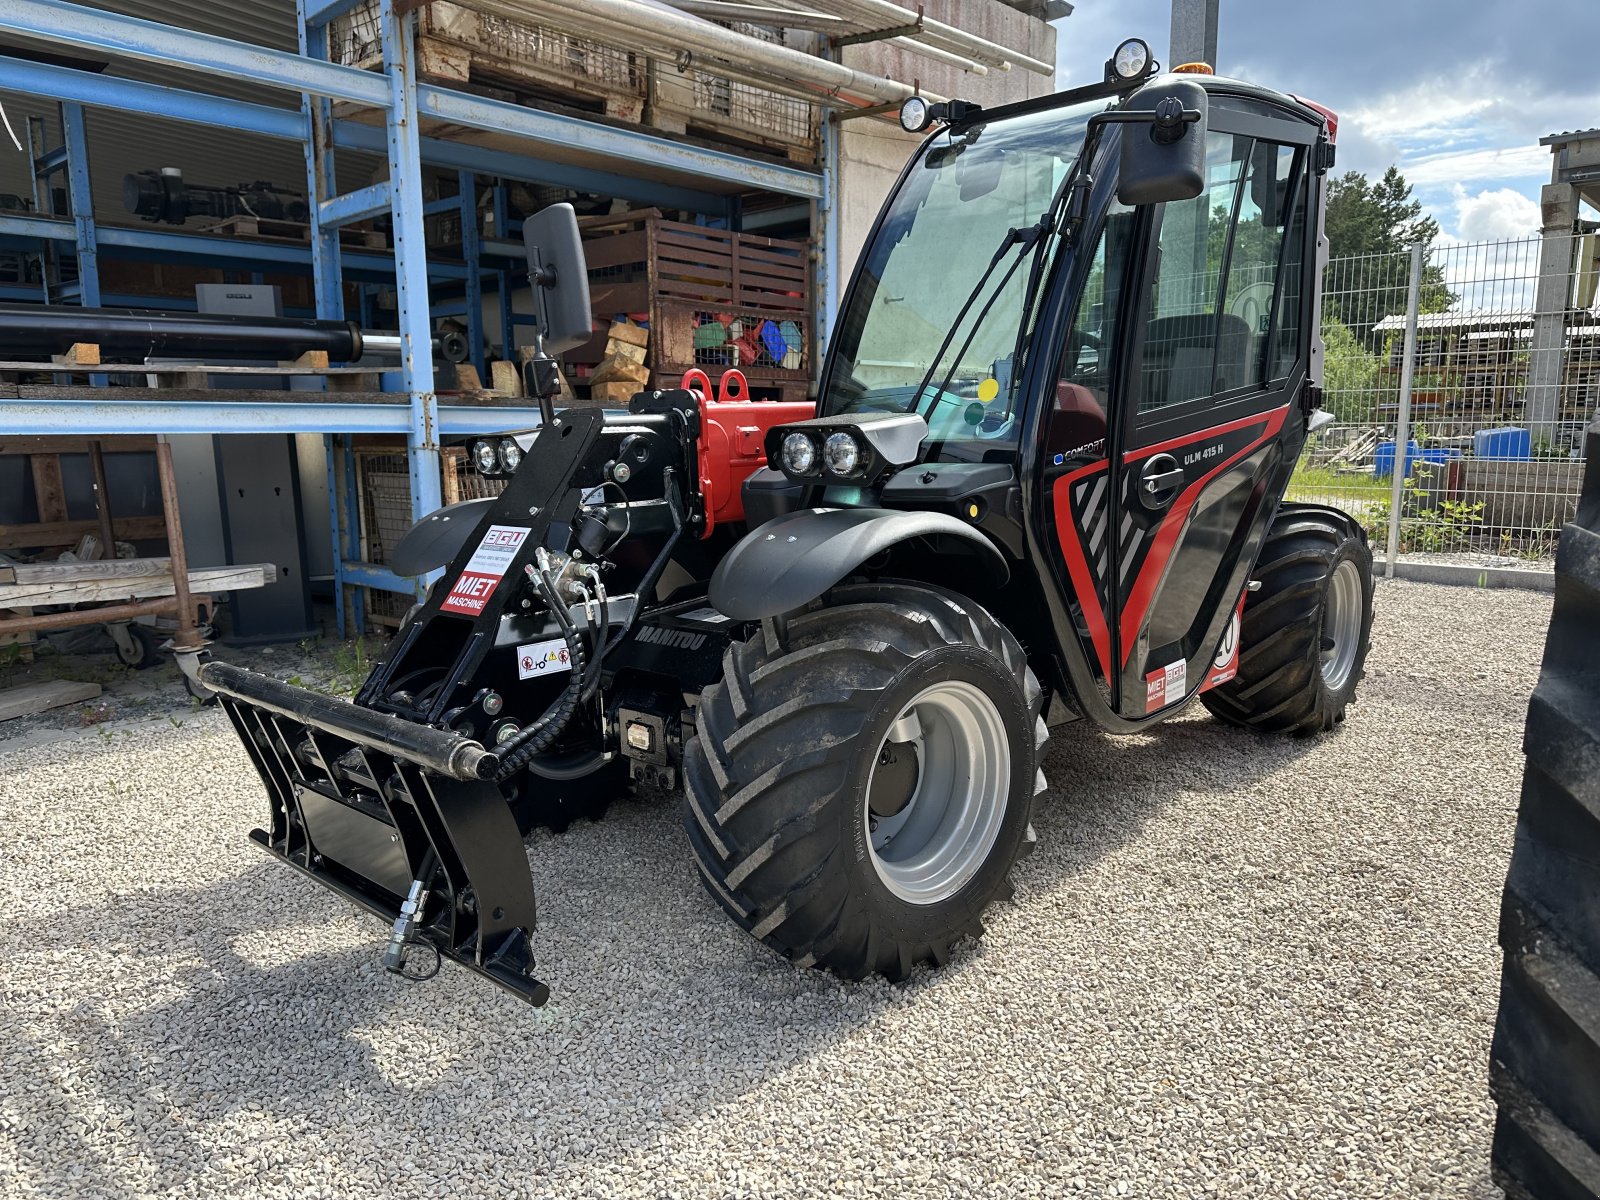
[[1485, 165], [1498, 214]]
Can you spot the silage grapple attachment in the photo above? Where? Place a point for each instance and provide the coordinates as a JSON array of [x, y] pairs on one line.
[[401, 818]]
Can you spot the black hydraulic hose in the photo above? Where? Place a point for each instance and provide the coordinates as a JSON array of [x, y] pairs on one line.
[[517, 750]]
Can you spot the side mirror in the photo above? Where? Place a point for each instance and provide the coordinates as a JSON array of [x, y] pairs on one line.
[[560, 278], [1164, 157]]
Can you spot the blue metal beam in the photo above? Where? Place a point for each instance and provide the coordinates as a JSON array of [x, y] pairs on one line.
[[410, 257], [117, 36], [131, 95], [80, 198], [353, 135], [325, 11], [622, 145], [127, 95], [370, 201]]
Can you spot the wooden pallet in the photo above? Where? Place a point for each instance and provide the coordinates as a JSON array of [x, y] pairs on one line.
[[263, 229]]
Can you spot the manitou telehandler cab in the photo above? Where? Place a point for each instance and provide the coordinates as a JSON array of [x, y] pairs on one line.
[[1042, 481]]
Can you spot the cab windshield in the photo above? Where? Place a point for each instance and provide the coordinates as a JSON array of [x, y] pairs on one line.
[[939, 235]]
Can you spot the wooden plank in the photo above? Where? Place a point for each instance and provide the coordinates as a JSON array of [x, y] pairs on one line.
[[74, 572], [41, 697], [137, 587], [48, 492], [66, 533], [615, 250]]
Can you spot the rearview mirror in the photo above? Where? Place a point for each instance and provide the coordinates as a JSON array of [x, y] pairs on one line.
[[559, 276], [1165, 158]]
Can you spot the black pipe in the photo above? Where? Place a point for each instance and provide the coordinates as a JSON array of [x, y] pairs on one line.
[[36, 331]]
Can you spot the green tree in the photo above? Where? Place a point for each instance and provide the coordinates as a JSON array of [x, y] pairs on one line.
[[1372, 225], [1353, 383]]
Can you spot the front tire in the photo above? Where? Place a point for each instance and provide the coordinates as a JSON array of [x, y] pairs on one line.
[[1306, 630], [862, 779]]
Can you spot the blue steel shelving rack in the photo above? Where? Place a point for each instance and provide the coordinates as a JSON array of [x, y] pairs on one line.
[[705, 179]]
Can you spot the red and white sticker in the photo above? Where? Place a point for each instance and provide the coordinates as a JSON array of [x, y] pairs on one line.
[[1165, 685], [543, 658], [484, 570], [1226, 664]]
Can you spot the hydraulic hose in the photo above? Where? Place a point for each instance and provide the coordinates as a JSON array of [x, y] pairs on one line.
[[516, 751]]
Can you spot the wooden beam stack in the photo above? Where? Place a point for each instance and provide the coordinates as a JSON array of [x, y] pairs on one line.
[[622, 371]]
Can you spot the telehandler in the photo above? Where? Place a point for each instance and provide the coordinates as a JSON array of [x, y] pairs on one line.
[[1043, 481]]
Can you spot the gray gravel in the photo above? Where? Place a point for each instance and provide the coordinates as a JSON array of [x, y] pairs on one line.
[[1236, 966]]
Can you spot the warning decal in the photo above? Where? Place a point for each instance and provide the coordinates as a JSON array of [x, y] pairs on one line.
[[489, 562], [1165, 685], [543, 658], [1226, 664]]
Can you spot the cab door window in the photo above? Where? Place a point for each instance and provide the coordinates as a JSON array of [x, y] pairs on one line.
[[1219, 256]]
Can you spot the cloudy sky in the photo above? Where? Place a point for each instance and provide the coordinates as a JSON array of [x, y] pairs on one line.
[[1456, 92]]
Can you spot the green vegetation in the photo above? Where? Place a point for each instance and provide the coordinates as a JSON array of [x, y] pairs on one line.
[[1366, 217]]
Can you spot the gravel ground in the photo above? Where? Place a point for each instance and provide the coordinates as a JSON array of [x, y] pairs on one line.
[[1235, 966]]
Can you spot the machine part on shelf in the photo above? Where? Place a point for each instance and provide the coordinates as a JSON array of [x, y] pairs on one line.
[[38, 331], [838, 627], [164, 196], [35, 331], [1544, 1063]]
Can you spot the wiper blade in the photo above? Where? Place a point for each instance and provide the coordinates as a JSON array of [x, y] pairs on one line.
[[1028, 239]]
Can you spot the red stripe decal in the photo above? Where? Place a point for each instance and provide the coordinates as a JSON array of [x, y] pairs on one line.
[[1071, 539], [1155, 563]]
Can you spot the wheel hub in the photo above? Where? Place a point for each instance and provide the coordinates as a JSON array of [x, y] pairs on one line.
[[937, 795], [1342, 620]]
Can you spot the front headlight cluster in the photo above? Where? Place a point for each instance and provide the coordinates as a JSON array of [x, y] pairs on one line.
[[496, 458], [858, 448], [837, 456]]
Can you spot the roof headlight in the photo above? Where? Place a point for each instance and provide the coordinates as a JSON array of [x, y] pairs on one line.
[[510, 454], [486, 458], [1130, 61], [841, 454], [799, 454], [914, 114]]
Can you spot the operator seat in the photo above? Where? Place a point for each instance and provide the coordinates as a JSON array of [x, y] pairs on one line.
[[1178, 357]]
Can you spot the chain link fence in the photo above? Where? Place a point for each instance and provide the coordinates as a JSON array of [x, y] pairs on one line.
[[1460, 377]]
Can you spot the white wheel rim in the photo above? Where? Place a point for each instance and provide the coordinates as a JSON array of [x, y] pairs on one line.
[[932, 848], [1341, 625]]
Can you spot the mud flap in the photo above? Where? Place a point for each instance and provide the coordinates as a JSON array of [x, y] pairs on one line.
[[401, 818]]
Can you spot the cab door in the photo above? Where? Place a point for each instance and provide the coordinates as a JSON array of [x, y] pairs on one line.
[[1198, 361]]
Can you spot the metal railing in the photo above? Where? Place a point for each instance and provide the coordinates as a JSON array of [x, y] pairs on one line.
[[1460, 377]]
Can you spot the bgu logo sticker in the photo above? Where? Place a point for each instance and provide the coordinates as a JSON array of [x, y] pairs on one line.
[[484, 570]]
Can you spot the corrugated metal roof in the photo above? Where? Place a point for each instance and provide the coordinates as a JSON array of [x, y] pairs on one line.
[[1574, 135]]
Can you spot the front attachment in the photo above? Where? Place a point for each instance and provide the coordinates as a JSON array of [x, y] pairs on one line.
[[402, 818]]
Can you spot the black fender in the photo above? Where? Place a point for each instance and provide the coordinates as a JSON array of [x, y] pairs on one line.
[[435, 540], [1288, 508], [791, 560]]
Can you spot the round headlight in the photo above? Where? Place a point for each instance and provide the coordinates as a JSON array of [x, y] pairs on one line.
[[485, 457], [799, 454], [914, 114], [510, 453], [842, 454], [1132, 59]]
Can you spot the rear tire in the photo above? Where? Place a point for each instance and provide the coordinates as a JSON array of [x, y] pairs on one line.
[[1544, 1062], [862, 783], [1305, 632]]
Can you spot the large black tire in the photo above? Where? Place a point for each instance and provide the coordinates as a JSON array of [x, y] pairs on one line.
[[1281, 686], [777, 778], [1544, 1065], [552, 804]]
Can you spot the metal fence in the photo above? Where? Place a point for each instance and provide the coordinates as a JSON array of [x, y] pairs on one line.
[[1460, 378]]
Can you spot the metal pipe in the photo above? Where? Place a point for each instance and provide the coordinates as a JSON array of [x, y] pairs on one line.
[[105, 615], [728, 10], [1402, 431], [680, 31], [37, 331], [438, 750], [884, 14], [970, 65]]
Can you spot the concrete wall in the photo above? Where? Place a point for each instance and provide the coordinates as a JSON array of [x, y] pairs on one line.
[[873, 151]]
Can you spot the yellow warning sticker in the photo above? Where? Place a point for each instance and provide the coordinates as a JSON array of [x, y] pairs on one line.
[[988, 389]]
